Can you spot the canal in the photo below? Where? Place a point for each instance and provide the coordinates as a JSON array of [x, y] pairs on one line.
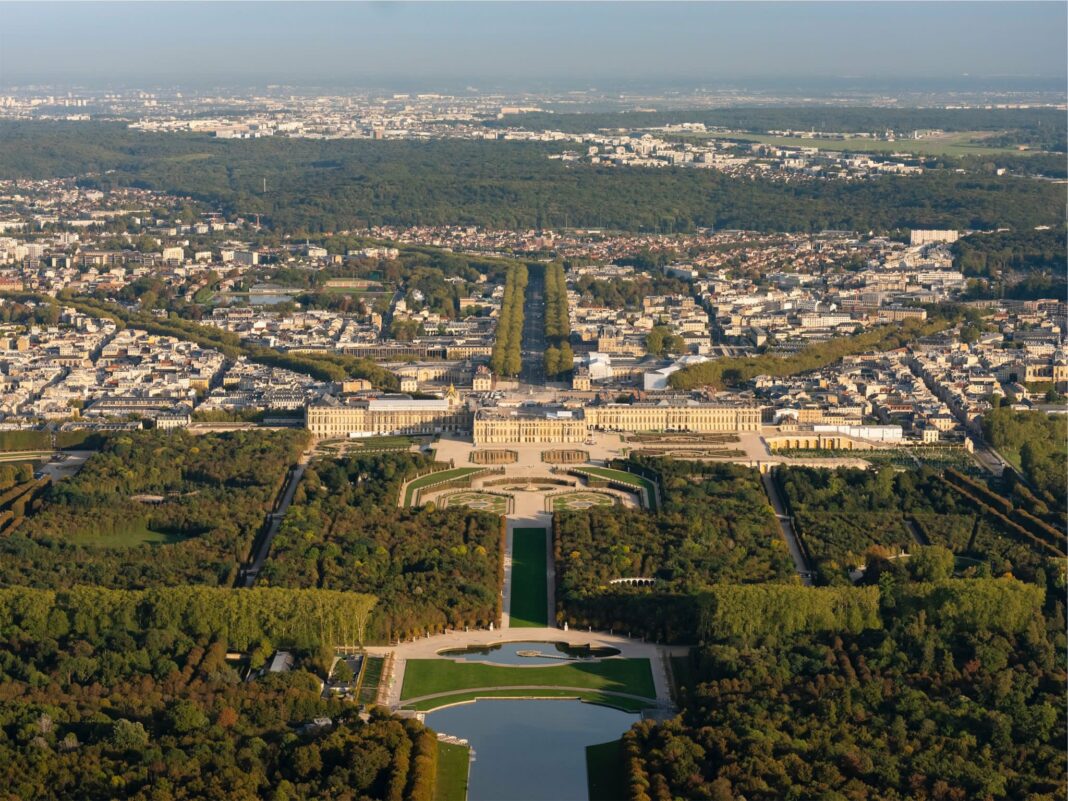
[[530, 750]]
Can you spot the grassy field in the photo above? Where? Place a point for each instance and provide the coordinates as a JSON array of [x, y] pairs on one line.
[[382, 442], [604, 772], [453, 766], [581, 500], [130, 537], [530, 594], [961, 143], [630, 479], [589, 696], [482, 501], [434, 478], [372, 675], [429, 676], [365, 443], [29, 457]]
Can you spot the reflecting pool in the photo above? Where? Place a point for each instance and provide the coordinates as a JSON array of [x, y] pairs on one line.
[[527, 653], [530, 750]]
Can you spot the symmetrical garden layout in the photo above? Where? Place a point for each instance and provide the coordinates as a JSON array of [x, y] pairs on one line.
[[620, 682]]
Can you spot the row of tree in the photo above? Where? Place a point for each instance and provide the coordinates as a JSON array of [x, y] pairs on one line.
[[506, 358], [559, 358], [848, 518]]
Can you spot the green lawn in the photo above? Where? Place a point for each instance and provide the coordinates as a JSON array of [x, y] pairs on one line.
[[381, 442], [130, 537], [604, 772], [372, 675], [589, 696], [429, 676], [530, 594], [32, 458], [622, 476], [454, 763], [434, 478]]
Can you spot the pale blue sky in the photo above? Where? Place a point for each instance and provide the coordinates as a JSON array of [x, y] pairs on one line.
[[577, 43]]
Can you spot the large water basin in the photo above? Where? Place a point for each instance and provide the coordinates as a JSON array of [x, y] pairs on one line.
[[528, 653], [530, 750]]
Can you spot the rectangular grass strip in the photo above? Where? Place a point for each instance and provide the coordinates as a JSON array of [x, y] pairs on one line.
[[431, 676], [453, 765], [530, 596], [604, 771]]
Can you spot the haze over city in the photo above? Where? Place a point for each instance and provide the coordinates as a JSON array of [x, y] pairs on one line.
[[526, 44]]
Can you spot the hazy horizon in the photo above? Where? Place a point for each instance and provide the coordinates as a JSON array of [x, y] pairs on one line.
[[532, 45]]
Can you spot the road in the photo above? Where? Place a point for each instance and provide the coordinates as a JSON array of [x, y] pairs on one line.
[[274, 522], [787, 526], [533, 347], [988, 458]]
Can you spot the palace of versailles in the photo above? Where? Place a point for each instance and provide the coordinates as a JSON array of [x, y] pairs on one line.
[[541, 424]]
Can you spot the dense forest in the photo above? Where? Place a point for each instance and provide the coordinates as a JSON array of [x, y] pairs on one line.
[[152, 508], [849, 518], [1038, 444], [626, 293], [1023, 265], [116, 694], [954, 692], [714, 525], [431, 568], [316, 186]]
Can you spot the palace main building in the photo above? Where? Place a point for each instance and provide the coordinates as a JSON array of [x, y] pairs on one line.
[[525, 424], [673, 415], [333, 417]]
